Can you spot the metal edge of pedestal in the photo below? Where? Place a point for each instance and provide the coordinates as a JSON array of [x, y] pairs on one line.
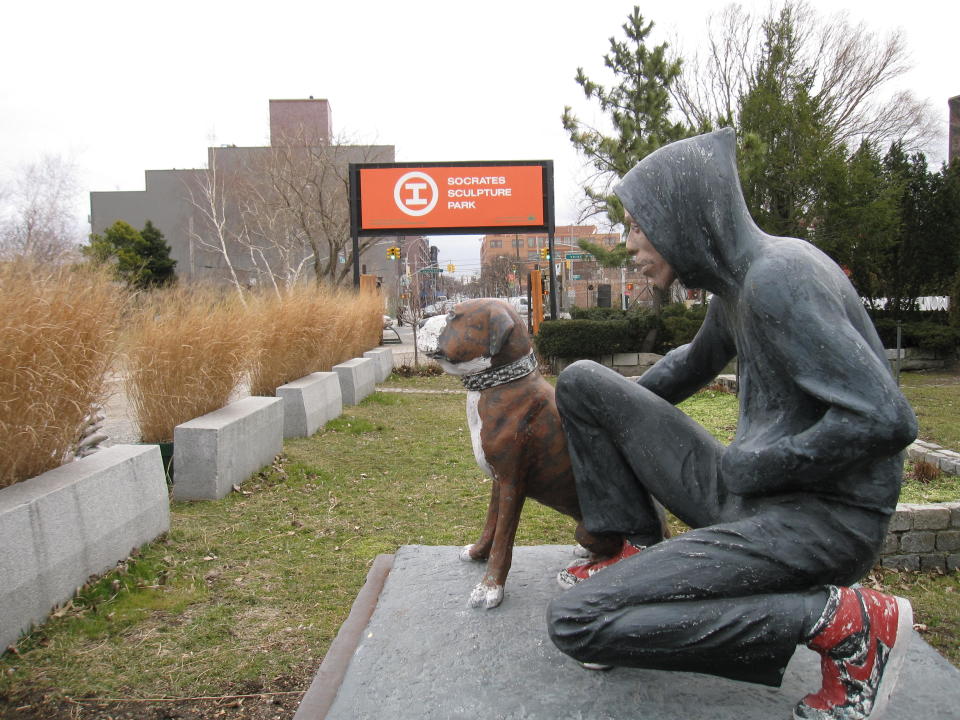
[[319, 697]]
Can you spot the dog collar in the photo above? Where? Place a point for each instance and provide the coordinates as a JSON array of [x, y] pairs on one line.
[[501, 375]]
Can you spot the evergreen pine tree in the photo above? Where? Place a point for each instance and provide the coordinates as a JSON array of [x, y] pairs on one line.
[[157, 264], [638, 106], [140, 259]]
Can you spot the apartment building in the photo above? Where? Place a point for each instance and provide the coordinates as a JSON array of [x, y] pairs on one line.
[[508, 259], [217, 231]]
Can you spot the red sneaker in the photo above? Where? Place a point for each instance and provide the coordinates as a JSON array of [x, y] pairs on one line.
[[580, 571], [862, 639]]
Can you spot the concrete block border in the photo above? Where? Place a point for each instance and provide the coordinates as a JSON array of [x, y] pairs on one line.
[[627, 364], [77, 520], [310, 403], [923, 538], [383, 362], [947, 460], [357, 379], [216, 451]]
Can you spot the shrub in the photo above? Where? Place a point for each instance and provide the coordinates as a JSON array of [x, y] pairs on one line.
[[186, 351], [58, 332], [924, 472], [927, 335], [680, 325], [934, 337], [590, 338], [597, 313]]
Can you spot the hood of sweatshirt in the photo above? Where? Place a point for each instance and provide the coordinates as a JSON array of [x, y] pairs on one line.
[[686, 198]]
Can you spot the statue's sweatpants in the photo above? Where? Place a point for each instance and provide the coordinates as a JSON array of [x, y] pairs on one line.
[[730, 597]]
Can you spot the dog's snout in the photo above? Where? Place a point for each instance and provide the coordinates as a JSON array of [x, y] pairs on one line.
[[429, 336]]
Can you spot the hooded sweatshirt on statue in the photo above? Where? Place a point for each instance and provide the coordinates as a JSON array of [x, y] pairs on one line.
[[819, 410]]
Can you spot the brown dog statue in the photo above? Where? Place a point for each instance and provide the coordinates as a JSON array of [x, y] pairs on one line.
[[515, 429]]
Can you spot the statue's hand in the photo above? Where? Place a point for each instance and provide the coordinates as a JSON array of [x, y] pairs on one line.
[[760, 471], [738, 472]]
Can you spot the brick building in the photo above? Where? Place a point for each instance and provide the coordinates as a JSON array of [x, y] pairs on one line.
[[579, 276]]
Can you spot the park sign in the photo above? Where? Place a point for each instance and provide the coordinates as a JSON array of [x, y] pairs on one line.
[[451, 197]]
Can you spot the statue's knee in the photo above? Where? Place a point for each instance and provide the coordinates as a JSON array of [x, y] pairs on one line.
[[569, 627], [576, 378]]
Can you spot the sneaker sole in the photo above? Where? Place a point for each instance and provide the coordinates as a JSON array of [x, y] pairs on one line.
[[567, 580], [596, 667], [895, 662]]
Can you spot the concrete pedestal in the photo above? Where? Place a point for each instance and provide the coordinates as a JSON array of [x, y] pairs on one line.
[[423, 654]]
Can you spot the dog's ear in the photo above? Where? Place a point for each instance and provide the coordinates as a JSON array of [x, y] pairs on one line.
[[501, 325]]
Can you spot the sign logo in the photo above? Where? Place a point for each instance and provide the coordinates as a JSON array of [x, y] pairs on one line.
[[416, 193]]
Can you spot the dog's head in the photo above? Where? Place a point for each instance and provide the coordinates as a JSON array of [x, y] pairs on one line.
[[474, 336]]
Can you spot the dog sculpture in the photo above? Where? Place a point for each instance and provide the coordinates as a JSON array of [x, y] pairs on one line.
[[514, 427]]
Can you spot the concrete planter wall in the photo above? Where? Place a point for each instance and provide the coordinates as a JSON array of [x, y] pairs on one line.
[[383, 362], [216, 451], [78, 520], [310, 403], [918, 359], [357, 379], [627, 364], [923, 537], [81, 519]]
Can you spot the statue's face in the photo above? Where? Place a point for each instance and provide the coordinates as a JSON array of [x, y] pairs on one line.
[[652, 265]]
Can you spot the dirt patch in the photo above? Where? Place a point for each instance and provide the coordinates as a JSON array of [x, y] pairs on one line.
[[277, 702]]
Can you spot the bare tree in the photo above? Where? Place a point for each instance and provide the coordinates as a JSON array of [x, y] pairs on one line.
[[213, 193], [276, 252], [852, 68], [495, 276], [302, 201], [38, 211], [276, 213]]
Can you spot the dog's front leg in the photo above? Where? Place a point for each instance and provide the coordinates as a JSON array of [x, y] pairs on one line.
[[489, 592], [480, 550]]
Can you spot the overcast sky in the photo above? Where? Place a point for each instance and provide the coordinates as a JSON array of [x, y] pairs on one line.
[[121, 87]]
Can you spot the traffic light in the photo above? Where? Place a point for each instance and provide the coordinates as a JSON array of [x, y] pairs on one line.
[[451, 267], [393, 253], [545, 253]]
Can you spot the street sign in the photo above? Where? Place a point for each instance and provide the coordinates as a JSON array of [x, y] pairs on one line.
[[579, 256], [430, 270], [450, 198]]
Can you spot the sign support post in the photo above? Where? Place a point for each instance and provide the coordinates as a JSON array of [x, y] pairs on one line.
[[356, 258], [355, 227], [551, 228]]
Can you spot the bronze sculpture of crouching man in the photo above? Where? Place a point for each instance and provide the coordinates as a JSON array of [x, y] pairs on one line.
[[788, 516]]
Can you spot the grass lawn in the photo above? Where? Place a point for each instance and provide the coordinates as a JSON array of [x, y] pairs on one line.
[[236, 607], [935, 397]]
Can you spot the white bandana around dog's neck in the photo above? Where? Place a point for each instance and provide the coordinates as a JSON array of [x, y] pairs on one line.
[[501, 375]]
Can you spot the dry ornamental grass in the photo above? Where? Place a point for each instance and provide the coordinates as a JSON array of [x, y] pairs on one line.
[[58, 331], [307, 330], [186, 351]]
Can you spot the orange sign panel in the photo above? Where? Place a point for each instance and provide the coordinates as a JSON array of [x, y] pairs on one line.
[[451, 196]]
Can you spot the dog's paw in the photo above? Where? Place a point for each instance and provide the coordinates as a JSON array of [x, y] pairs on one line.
[[486, 597], [466, 556]]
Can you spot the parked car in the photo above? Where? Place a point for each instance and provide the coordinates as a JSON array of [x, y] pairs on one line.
[[520, 304]]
